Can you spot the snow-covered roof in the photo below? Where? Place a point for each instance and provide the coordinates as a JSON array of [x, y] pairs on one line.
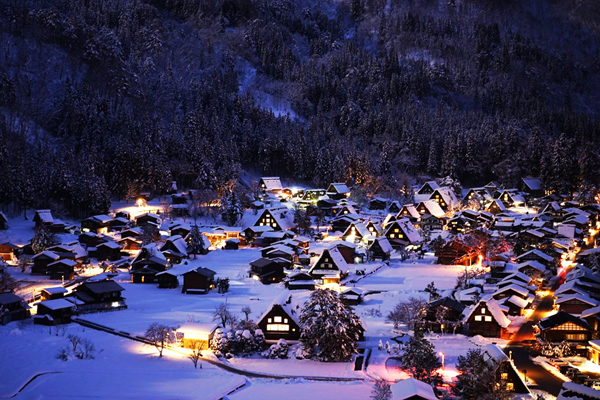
[[45, 216], [538, 253], [55, 290], [411, 210], [148, 214], [280, 249], [495, 353], [494, 308], [273, 234], [342, 243], [412, 234], [432, 184], [573, 391], [384, 243], [57, 304], [101, 218], [284, 300], [579, 297], [47, 253], [336, 258], [338, 187], [197, 330], [411, 388], [590, 311], [271, 183], [433, 208], [110, 244], [570, 285], [264, 228], [516, 300], [64, 261], [497, 313], [533, 183], [515, 288], [281, 215], [359, 228], [447, 194], [517, 276], [179, 243]]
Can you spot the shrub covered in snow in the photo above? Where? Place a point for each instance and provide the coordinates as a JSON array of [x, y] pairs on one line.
[[240, 341], [278, 350]]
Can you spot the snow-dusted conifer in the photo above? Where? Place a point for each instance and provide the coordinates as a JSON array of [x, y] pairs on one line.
[[329, 326]]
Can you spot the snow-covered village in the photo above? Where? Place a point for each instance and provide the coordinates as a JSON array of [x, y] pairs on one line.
[[300, 199], [276, 290]]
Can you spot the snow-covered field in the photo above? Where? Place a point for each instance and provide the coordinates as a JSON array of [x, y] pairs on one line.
[[126, 369]]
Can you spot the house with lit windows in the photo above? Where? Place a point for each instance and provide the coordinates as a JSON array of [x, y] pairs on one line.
[[511, 198], [401, 233], [506, 372], [486, 319], [430, 207], [576, 304], [357, 232], [409, 211], [96, 224], [331, 266], [425, 191], [445, 198], [564, 326], [338, 191], [280, 320], [270, 184], [280, 219]]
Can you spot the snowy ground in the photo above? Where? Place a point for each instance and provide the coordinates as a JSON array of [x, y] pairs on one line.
[[126, 369]]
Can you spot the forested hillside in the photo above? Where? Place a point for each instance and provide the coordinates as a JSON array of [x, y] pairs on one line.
[[106, 97]]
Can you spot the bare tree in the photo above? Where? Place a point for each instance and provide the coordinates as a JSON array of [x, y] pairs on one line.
[[87, 350], [159, 335], [407, 312], [247, 311], [196, 353], [75, 341], [7, 282], [223, 314], [23, 263]]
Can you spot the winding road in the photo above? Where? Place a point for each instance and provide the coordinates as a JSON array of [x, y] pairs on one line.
[[543, 379]]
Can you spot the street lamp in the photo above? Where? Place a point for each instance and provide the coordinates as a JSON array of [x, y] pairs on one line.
[[510, 355], [442, 355]]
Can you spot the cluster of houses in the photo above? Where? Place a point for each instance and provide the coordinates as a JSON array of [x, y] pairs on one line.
[[57, 305], [545, 230]]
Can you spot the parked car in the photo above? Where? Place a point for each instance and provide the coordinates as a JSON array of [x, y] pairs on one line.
[[596, 385], [580, 378], [557, 363], [571, 372], [564, 368]]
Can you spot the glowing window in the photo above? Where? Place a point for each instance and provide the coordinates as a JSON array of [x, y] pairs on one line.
[[478, 318], [483, 310], [277, 319], [504, 376], [488, 319]]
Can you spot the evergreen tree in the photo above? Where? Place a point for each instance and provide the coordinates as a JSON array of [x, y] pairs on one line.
[[329, 327], [420, 359], [232, 208], [477, 378], [433, 292], [42, 239], [195, 241]]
